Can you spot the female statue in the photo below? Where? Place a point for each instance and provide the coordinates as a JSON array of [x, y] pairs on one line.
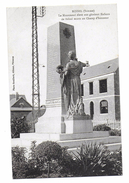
[[71, 83]]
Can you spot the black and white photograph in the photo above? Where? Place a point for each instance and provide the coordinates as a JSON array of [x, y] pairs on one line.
[[64, 91]]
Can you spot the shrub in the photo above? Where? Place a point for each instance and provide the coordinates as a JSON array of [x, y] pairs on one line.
[[49, 153], [101, 127], [33, 162], [49, 159], [19, 162], [67, 163], [96, 160], [115, 132], [89, 160], [18, 125], [113, 163]]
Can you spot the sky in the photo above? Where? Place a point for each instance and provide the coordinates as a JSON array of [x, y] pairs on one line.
[[96, 40]]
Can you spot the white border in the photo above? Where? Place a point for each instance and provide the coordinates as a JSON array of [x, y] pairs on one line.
[[123, 39]]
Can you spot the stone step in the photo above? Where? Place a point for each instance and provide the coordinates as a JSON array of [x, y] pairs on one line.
[[114, 146], [79, 142], [76, 136], [63, 136]]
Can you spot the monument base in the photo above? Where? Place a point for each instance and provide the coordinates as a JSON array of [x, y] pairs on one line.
[[50, 122], [71, 133], [78, 126], [53, 123], [62, 137]]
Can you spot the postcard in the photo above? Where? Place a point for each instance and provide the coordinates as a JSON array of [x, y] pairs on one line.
[[64, 91]]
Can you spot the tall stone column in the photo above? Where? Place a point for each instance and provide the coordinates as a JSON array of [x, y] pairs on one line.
[[60, 40]]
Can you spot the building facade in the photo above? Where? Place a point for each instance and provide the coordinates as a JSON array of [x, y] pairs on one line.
[[100, 91], [19, 106]]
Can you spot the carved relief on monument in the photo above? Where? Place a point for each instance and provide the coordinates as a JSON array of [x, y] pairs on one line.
[[53, 102], [67, 32]]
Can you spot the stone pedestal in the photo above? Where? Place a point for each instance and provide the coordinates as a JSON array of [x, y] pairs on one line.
[[50, 122], [53, 123], [78, 126]]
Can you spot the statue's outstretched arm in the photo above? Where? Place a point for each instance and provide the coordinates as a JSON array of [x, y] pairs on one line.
[[83, 64]]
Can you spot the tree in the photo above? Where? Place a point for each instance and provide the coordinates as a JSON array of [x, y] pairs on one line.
[[18, 125], [49, 153], [19, 162], [33, 162]]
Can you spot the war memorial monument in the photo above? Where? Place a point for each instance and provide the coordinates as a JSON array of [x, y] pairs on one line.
[[65, 120], [63, 114]]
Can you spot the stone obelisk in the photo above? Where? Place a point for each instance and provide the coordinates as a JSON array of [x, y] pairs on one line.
[[60, 40]]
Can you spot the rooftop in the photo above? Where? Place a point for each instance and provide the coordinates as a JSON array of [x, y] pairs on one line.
[[100, 69], [16, 98]]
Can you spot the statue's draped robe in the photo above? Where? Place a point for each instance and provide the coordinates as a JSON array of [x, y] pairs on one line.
[[72, 84]]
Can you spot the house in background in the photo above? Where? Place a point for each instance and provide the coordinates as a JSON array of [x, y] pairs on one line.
[[100, 91], [19, 106]]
